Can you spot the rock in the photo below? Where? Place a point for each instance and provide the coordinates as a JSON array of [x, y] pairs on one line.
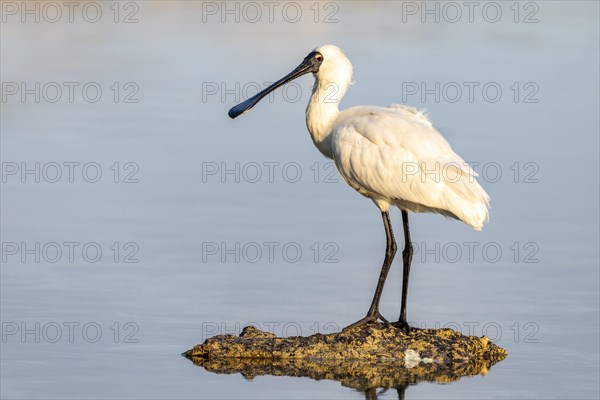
[[365, 357]]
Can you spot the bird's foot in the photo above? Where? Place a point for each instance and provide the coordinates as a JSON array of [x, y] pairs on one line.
[[371, 317], [402, 325]]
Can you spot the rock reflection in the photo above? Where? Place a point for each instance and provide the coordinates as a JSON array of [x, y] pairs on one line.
[[371, 377]]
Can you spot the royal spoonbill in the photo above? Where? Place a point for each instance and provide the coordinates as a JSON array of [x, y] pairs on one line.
[[392, 155]]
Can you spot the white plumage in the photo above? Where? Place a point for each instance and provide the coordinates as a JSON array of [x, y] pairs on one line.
[[392, 155]]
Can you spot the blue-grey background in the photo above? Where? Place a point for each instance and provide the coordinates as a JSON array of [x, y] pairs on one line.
[[178, 67]]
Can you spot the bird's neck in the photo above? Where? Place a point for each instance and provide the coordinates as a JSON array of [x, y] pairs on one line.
[[322, 112]]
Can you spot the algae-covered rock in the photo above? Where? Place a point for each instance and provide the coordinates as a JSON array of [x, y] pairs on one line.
[[369, 356]]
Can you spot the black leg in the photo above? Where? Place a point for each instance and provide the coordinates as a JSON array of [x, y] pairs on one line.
[[390, 252], [371, 394], [407, 254], [401, 391]]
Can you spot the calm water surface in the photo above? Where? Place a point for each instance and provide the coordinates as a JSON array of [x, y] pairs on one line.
[[186, 232]]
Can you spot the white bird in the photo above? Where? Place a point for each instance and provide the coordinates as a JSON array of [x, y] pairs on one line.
[[393, 155]]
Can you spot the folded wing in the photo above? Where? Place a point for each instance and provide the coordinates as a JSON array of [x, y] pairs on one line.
[[396, 155]]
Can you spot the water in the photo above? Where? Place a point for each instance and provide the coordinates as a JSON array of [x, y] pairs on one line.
[[112, 327]]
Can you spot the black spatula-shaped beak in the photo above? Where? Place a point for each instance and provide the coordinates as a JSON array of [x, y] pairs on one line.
[[311, 63]]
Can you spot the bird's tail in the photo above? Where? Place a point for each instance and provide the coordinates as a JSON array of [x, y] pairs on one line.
[[471, 202]]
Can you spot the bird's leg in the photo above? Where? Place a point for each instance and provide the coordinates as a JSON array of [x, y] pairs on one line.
[[407, 254], [401, 391], [391, 247]]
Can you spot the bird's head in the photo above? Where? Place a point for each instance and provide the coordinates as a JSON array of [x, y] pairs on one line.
[[335, 66], [327, 63]]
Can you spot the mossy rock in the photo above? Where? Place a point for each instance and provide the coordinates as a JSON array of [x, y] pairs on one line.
[[373, 355]]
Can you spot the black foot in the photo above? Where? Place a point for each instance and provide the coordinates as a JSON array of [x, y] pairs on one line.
[[371, 317], [402, 325]]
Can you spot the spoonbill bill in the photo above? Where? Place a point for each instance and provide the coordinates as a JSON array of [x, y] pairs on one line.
[[392, 155]]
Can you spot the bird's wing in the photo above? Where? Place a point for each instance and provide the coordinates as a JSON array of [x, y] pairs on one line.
[[396, 154], [421, 117]]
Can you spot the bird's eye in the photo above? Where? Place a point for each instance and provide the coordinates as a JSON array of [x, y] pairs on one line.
[[319, 57]]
